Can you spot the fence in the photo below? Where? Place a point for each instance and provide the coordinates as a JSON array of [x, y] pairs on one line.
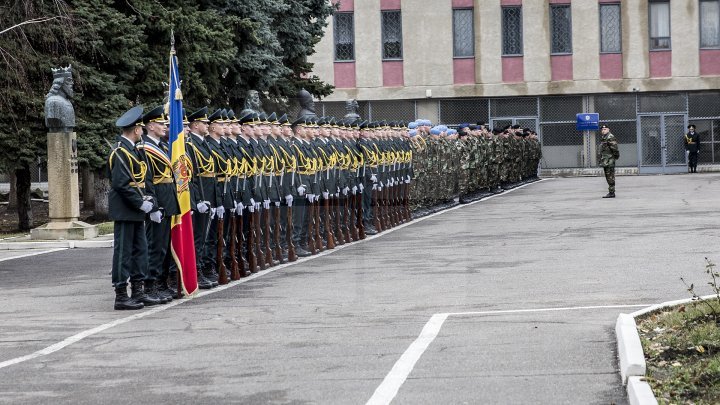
[[553, 117]]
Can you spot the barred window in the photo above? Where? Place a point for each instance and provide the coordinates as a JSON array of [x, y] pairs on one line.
[[610, 28], [512, 31], [659, 25], [344, 37], [392, 35], [463, 33], [560, 29], [709, 23]]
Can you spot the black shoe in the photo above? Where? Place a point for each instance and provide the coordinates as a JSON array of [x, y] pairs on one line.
[[370, 230], [172, 287], [211, 276], [302, 252], [138, 294], [203, 283], [122, 301], [609, 195], [151, 290]]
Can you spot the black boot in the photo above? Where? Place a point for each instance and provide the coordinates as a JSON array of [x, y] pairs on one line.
[[122, 301], [609, 195], [173, 287], [164, 291], [302, 252], [211, 276], [151, 290], [138, 294], [203, 283]]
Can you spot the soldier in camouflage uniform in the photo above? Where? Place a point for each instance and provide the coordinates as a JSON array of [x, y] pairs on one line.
[[609, 153]]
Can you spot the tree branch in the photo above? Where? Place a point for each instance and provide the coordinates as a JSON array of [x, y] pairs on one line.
[[32, 21]]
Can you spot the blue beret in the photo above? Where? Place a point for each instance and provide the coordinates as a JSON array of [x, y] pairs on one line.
[[435, 131], [413, 132], [413, 125]]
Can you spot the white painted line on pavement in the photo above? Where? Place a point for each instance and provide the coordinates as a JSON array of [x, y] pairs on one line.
[[388, 389], [82, 335], [33, 254]]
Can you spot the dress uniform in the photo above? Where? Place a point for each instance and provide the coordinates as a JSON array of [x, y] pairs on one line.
[[130, 201]]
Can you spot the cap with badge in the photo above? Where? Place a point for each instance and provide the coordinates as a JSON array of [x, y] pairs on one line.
[[132, 117], [216, 116], [157, 114], [199, 115]]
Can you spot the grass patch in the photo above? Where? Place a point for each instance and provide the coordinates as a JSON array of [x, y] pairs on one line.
[[682, 350], [12, 235], [105, 228]]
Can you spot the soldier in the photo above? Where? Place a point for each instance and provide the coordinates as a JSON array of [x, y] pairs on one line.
[[692, 146], [165, 190], [129, 203], [203, 188], [609, 153]]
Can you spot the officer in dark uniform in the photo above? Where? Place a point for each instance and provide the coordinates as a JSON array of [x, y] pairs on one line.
[[692, 145], [129, 203], [203, 187], [158, 234]]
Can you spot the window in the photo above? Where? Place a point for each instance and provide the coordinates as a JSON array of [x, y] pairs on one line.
[[391, 35], [463, 33], [344, 37], [512, 34], [560, 29], [610, 31], [659, 25], [710, 24]]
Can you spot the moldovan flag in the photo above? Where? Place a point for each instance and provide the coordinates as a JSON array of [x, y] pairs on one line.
[[181, 235]]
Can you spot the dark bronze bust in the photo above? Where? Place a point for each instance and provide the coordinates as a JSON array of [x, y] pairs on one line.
[[352, 107], [59, 112], [252, 103], [307, 105]]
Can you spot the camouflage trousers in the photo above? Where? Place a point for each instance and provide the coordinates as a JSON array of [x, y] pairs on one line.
[[610, 177], [464, 182]]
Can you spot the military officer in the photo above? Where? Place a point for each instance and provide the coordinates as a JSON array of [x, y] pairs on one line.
[[130, 201], [692, 145]]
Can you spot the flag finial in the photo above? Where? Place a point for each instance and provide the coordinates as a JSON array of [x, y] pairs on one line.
[[172, 41]]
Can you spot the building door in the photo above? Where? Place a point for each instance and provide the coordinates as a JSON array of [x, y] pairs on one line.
[[660, 143], [524, 122]]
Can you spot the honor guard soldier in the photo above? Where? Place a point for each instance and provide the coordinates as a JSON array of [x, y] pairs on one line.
[[158, 233], [203, 187], [130, 201], [692, 146]]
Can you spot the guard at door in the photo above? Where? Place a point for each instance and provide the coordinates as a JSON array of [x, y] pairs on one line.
[[609, 153], [692, 145]]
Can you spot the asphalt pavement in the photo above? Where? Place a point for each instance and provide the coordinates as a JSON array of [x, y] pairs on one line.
[[532, 281]]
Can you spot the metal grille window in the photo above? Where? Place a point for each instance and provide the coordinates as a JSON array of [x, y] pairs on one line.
[[610, 28], [662, 102], [560, 29], [512, 34], [344, 37], [616, 106], [659, 25], [710, 23], [560, 109], [392, 35], [704, 105], [454, 112], [514, 107], [463, 33]]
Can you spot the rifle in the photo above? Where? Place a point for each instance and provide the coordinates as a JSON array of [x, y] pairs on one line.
[[268, 250], [222, 275], [340, 236], [234, 271], [276, 250], [318, 239], [292, 256], [311, 228], [328, 224], [360, 221], [376, 210], [252, 260]]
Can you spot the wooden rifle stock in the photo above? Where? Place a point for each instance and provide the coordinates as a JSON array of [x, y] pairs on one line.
[[292, 256], [259, 255], [376, 210], [266, 239], [250, 246], [328, 225], [318, 238], [360, 220], [339, 235], [309, 212], [277, 252], [222, 274], [234, 271]]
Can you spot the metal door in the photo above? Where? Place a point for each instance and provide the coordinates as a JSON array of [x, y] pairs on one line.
[[660, 143]]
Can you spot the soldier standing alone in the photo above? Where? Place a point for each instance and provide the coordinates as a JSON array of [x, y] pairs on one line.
[[609, 153]]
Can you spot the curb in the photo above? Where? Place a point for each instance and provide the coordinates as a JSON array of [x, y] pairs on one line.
[[68, 244], [631, 355]]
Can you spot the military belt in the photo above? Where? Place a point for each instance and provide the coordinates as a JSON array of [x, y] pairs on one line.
[[220, 179], [162, 180], [134, 184], [307, 172], [207, 174]]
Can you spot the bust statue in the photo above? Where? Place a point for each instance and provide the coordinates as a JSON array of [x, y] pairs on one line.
[[252, 103], [307, 105], [59, 112], [352, 107]]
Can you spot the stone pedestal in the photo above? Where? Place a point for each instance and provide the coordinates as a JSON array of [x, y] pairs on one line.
[[63, 192]]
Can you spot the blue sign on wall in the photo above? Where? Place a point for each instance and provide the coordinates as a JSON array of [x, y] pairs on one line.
[[588, 122]]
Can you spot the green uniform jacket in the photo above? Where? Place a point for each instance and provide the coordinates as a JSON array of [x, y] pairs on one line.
[[608, 151]]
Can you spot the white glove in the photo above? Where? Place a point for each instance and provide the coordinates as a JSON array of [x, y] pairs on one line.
[[375, 186], [146, 206], [220, 211], [252, 202], [212, 213], [202, 207], [277, 203], [354, 190], [326, 195], [239, 208], [361, 187], [373, 178], [346, 190], [301, 191], [289, 200], [257, 206], [407, 178], [266, 204], [156, 216], [251, 208], [311, 198]]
